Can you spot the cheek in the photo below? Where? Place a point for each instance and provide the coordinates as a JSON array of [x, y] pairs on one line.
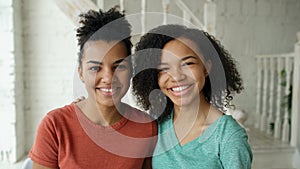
[[89, 78], [198, 73], [123, 77], [200, 78], [162, 79]]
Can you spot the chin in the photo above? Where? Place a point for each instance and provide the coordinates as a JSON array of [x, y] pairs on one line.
[[182, 103], [106, 103]]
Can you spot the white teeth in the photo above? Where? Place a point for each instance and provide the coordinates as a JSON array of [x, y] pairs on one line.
[[179, 89], [106, 90]]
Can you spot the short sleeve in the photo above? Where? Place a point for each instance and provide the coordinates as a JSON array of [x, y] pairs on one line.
[[45, 148], [236, 152]]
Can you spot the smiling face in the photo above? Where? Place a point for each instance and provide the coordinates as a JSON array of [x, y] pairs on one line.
[[182, 72], [105, 71]]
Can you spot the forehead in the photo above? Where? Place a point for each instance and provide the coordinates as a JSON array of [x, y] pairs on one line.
[[104, 50], [179, 48]]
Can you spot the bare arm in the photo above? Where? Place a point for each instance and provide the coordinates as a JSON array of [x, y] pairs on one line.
[[38, 166]]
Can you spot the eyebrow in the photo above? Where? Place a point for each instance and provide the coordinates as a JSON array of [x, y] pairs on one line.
[[94, 62], [100, 63], [120, 60], [183, 59], [188, 57]]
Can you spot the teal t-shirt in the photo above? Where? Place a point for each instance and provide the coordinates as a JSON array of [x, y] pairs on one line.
[[224, 144]]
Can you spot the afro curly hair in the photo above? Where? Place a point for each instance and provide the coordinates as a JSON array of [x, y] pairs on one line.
[[223, 78], [107, 26]]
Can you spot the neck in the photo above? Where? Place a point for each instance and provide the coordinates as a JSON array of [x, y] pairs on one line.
[[190, 121], [101, 114], [198, 110]]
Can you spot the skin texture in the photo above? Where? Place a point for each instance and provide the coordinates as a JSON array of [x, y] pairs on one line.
[[181, 78], [106, 74], [182, 68], [105, 71]]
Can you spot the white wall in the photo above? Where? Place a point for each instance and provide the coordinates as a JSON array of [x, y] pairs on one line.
[[50, 55], [19, 79], [251, 27], [11, 68], [246, 28]]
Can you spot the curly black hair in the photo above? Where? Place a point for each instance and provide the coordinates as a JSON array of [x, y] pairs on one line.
[[222, 81], [107, 26]]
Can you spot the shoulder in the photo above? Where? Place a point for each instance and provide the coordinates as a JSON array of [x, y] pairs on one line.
[[234, 146], [59, 115], [61, 111], [50, 134], [232, 135], [227, 122], [228, 128]]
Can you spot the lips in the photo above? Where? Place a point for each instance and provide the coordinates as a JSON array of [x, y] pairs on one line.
[[180, 90], [107, 91]]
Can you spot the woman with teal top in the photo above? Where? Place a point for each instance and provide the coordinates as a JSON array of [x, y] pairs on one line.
[[185, 78]]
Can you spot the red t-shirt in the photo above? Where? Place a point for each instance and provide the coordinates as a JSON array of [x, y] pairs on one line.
[[66, 138]]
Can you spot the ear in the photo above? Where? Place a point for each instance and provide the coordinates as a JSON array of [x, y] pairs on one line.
[[208, 65], [79, 69]]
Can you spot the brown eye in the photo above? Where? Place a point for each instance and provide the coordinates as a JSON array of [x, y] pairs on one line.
[[188, 63]]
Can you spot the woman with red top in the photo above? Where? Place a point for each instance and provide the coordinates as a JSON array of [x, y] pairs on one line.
[[99, 131]]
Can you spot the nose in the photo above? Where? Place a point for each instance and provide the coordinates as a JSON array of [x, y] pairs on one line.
[[106, 76], [177, 74]]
